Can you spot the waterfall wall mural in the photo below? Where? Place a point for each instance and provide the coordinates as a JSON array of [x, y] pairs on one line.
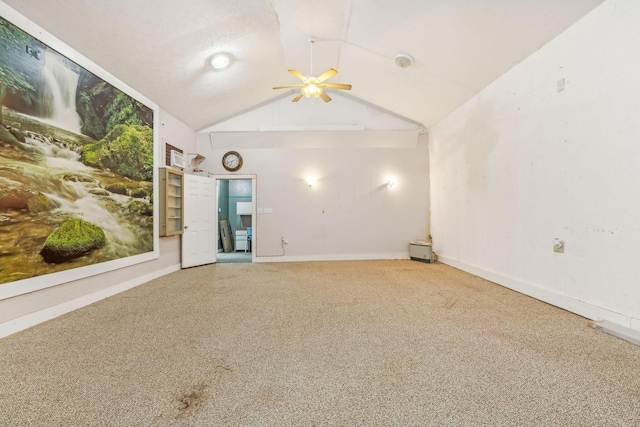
[[77, 165]]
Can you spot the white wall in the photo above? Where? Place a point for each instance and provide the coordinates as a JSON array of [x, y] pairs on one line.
[[29, 309], [350, 212], [343, 112], [523, 163]]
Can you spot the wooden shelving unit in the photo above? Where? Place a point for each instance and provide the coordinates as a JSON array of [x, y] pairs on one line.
[[171, 202]]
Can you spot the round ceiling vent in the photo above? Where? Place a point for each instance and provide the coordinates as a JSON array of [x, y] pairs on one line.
[[403, 60]]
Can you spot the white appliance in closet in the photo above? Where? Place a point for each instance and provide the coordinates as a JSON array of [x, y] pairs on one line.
[[244, 210], [242, 241]]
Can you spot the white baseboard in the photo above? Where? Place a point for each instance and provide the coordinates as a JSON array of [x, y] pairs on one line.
[[331, 257], [618, 331], [565, 302], [32, 319]]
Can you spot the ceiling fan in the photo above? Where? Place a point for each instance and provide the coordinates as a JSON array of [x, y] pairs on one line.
[[314, 87]]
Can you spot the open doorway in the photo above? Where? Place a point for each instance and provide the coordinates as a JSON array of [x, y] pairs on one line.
[[235, 219]]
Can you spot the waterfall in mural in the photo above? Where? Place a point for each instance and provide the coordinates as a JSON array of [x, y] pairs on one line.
[[60, 96]]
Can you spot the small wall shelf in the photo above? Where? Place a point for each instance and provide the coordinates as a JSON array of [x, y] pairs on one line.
[[171, 202], [195, 159]]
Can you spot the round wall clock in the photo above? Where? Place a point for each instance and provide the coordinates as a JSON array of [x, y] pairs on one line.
[[232, 161]]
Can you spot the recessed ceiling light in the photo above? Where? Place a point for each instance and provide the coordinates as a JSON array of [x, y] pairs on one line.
[[403, 60], [220, 60]]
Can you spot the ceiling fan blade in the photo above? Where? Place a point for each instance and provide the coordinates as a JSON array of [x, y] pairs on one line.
[[287, 87], [327, 74], [336, 86], [297, 98], [298, 75], [325, 97]]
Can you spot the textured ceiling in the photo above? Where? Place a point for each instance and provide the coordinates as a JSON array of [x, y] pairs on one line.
[[161, 47]]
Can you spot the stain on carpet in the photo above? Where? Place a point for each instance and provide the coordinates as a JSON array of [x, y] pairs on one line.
[[190, 400]]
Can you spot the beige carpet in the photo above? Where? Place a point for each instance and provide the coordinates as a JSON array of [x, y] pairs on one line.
[[365, 343]]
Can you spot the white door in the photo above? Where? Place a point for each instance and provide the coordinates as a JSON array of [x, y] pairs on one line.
[[199, 240]]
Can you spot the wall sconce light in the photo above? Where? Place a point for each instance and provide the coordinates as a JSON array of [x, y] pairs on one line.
[[311, 181], [391, 182]]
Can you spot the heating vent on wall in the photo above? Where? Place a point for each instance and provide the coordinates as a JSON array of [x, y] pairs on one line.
[[177, 159]]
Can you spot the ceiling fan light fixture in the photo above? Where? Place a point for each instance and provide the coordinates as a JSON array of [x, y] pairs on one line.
[[404, 60], [221, 60], [314, 87], [311, 91]]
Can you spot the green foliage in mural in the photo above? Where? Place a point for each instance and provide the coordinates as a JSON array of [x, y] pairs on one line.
[[15, 62], [127, 150], [122, 110]]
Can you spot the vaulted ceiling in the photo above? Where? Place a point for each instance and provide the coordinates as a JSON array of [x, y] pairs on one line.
[[162, 47]]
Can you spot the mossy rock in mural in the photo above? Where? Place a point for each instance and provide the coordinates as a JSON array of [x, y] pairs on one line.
[[138, 207], [18, 134], [74, 177], [39, 203], [8, 137], [118, 188], [138, 193], [99, 192], [72, 239], [127, 150], [15, 196]]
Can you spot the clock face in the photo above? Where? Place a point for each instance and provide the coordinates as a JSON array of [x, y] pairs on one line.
[[232, 161]]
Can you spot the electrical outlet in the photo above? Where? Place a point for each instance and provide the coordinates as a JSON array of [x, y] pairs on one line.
[[558, 246]]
